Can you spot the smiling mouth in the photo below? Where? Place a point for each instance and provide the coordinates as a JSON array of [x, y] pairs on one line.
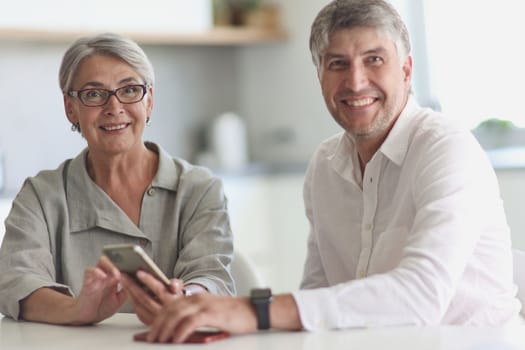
[[362, 102], [114, 127]]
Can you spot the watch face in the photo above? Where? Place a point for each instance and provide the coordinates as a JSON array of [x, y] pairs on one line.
[[262, 293]]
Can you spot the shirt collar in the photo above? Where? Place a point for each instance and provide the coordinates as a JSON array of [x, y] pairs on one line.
[[167, 176], [90, 206], [345, 167], [394, 147], [396, 144]]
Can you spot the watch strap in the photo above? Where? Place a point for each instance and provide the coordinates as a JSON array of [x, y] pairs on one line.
[[261, 299]]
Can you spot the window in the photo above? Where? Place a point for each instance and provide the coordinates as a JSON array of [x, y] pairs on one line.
[[476, 55]]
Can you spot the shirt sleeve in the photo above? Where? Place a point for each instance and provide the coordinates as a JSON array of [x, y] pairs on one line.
[[455, 195], [26, 261], [207, 241]]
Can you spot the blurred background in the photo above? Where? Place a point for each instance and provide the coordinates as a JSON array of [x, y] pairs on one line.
[[236, 90]]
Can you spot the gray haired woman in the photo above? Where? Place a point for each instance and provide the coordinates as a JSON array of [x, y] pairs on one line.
[[118, 190]]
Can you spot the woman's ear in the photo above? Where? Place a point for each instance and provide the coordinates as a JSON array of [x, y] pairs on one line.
[[70, 112], [149, 102]]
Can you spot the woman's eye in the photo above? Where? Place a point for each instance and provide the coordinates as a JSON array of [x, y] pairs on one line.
[[130, 90], [93, 94]]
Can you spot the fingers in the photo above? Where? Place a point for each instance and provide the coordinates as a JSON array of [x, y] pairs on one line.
[[144, 315], [167, 325], [95, 278], [107, 266], [158, 288], [176, 286], [138, 295]]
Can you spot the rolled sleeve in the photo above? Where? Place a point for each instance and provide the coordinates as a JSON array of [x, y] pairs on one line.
[[318, 309]]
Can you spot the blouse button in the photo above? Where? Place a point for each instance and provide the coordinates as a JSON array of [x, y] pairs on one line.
[[151, 192], [143, 242]]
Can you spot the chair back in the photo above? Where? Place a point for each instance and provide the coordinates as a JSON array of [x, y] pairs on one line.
[[519, 276], [245, 274]]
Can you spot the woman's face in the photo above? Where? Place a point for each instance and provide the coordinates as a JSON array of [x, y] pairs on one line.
[[114, 127]]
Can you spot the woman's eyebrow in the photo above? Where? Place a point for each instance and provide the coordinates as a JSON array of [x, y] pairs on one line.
[[97, 84]]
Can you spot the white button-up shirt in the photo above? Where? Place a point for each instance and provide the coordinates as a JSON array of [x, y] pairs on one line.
[[420, 238]]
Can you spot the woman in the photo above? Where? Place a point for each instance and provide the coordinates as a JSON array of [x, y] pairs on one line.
[[120, 189]]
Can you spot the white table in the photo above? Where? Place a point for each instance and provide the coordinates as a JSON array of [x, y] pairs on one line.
[[116, 333]]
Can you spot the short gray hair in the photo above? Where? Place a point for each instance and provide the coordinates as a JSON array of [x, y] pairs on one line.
[[347, 14], [104, 44]]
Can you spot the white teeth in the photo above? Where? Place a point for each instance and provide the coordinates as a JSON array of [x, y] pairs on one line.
[[359, 103], [116, 127]]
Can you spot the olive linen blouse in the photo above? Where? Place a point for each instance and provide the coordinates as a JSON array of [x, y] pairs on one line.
[[61, 219]]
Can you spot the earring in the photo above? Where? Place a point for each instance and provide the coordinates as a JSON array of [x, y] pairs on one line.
[[148, 121], [75, 127]]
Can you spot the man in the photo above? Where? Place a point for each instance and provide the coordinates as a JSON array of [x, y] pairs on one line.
[[407, 224]]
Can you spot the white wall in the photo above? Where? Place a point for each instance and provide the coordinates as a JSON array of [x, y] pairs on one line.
[[279, 92], [193, 85]]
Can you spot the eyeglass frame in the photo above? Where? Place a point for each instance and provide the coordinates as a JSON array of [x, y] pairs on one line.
[[76, 93]]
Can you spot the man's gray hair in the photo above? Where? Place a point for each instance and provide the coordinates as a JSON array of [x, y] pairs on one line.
[[347, 14], [104, 44]]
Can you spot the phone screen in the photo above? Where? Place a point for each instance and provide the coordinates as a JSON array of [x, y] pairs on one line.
[[129, 258], [195, 337]]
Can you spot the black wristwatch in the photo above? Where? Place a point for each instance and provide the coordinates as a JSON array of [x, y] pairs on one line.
[[261, 299]]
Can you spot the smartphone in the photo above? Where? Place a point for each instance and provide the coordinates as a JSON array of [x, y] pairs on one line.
[[130, 258], [199, 336]]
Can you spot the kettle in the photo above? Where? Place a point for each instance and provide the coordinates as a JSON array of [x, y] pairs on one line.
[[228, 142]]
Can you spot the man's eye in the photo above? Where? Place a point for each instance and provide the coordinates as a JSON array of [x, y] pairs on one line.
[[337, 64], [375, 59]]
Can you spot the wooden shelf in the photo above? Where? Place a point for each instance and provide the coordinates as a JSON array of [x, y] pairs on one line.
[[218, 36]]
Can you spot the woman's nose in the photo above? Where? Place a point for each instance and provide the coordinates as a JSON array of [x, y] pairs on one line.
[[113, 105]]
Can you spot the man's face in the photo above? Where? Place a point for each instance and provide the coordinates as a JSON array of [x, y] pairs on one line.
[[364, 83]]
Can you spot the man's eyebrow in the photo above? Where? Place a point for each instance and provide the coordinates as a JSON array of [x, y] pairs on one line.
[[374, 50], [330, 55]]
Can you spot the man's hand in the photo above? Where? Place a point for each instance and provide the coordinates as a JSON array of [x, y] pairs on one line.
[[181, 316]]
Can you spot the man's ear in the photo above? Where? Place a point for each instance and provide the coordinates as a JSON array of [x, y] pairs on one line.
[[407, 69]]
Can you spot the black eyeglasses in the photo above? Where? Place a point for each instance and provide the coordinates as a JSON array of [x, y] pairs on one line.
[[98, 97]]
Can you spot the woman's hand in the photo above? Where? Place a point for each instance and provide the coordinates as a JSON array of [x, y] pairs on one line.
[[148, 305], [100, 296]]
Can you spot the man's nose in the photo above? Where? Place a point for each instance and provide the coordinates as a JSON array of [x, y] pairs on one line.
[[356, 78]]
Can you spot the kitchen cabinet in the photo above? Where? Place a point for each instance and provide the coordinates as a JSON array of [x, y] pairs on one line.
[[217, 36], [163, 22]]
